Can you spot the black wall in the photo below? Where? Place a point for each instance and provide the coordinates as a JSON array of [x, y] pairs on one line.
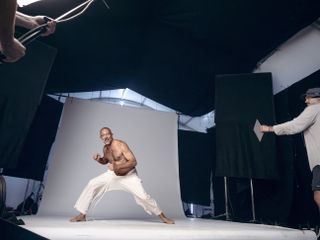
[[196, 155]]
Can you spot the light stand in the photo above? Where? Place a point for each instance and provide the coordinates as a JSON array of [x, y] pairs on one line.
[[2, 193], [22, 212], [252, 203], [226, 215]]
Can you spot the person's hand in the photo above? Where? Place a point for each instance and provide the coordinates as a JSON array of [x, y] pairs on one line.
[[12, 51], [96, 156], [39, 20], [265, 128]]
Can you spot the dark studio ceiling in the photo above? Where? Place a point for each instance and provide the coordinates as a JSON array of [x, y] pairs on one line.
[[167, 50]]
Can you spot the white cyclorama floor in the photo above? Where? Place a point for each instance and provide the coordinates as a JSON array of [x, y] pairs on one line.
[[61, 228]]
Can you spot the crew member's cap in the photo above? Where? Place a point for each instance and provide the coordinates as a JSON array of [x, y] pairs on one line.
[[312, 93]]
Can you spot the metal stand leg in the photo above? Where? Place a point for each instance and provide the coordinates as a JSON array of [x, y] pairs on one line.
[[2, 194], [226, 198], [226, 215], [25, 198], [252, 202]]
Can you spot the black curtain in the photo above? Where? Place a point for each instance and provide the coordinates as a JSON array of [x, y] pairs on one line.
[[241, 99], [22, 84], [33, 157], [196, 156]]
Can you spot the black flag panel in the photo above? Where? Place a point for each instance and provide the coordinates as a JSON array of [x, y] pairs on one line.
[[240, 101], [22, 85]]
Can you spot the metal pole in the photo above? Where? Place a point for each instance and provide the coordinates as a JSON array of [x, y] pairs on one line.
[[2, 194], [226, 198], [225, 215], [25, 197], [252, 201], [211, 195]]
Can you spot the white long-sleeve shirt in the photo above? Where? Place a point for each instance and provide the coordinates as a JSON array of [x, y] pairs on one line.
[[307, 122]]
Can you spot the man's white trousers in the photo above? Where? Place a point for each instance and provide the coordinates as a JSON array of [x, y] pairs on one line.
[[109, 181]]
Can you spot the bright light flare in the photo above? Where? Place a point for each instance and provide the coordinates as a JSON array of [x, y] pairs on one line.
[[22, 3]]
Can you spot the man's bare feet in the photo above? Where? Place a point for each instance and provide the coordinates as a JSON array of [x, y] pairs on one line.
[[80, 218], [166, 220]]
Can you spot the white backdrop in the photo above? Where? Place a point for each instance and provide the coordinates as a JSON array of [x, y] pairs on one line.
[[152, 137]]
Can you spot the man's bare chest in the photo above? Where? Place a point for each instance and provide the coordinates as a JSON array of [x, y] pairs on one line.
[[114, 155]]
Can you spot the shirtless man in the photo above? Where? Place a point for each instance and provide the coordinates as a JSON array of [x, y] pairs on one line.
[[121, 175]]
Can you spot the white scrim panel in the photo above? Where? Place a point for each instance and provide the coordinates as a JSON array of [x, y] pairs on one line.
[[257, 131], [151, 135]]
